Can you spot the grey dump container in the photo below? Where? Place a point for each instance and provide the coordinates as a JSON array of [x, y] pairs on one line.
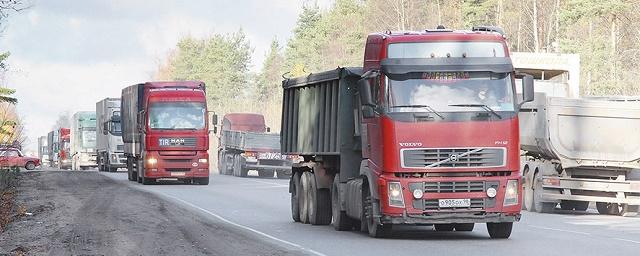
[[582, 132], [131, 105]]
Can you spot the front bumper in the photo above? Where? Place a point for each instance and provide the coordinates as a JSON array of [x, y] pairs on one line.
[[177, 167], [590, 190], [406, 219]]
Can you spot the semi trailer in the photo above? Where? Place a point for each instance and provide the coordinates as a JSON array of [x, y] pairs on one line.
[[579, 151], [43, 153], [426, 133], [246, 144], [109, 145], [165, 132], [83, 140]]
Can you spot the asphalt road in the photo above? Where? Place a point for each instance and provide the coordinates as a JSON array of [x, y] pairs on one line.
[[261, 206]]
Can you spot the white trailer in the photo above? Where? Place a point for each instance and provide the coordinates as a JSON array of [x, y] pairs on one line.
[[83, 140], [109, 144]]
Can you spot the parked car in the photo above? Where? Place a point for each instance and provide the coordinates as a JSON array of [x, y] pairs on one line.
[[12, 157]]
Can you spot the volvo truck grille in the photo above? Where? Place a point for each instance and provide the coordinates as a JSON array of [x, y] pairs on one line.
[[453, 157], [453, 186]]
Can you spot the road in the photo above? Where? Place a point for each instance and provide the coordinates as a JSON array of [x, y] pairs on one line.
[[261, 206]]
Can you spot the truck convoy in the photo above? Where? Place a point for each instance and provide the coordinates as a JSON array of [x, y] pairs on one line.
[[109, 145], [425, 133], [245, 144], [59, 148], [43, 153], [165, 131], [83, 140]]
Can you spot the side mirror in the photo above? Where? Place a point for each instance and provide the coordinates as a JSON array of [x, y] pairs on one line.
[[268, 129], [105, 128], [214, 119], [527, 89], [215, 129], [364, 88]]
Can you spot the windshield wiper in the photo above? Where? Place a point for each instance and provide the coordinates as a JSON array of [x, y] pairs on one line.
[[483, 106], [427, 107]]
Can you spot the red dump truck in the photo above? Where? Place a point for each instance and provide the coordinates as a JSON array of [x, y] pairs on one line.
[[165, 132], [246, 144], [425, 133]]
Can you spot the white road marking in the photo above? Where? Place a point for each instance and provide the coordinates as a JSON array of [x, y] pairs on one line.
[[270, 183], [245, 227], [561, 230], [627, 240]]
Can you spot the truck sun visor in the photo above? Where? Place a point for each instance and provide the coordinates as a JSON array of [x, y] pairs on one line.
[[414, 65]]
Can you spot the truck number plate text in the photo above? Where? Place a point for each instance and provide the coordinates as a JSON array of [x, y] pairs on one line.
[[454, 203]]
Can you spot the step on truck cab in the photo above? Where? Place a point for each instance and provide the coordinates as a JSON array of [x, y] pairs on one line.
[[83, 140], [109, 145], [425, 133], [165, 131], [246, 144]]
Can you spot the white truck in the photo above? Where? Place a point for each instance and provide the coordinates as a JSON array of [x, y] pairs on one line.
[[576, 150], [83, 140], [109, 144]]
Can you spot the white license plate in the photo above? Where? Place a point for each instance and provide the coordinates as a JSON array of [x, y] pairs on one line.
[[177, 173], [451, 203]]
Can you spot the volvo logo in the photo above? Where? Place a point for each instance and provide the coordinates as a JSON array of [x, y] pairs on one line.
[[454, 158]]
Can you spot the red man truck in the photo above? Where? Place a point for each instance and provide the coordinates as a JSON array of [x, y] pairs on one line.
[[166, 132], [425, 133]]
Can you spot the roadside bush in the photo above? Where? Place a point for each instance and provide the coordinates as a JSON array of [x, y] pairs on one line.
[[8, 177]]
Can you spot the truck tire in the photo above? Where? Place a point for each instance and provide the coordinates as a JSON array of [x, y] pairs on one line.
[[265, 173], [294, 183], [133, 176], [629, 210], [527, 191], [464, 227], [538, 205], [581, 206], [608, 208], [30, 165], [303, 198], [443, 227], [341, 222], [140, 171], [501, 230], [567, 205], [100, 164], [319, 203], [375, 228]]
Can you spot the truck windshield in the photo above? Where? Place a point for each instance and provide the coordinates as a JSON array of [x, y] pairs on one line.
[[116, 128], [449, 91], [177, 116], [89, 139]]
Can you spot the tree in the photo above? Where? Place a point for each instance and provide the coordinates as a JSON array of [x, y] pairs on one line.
[[270, 78]]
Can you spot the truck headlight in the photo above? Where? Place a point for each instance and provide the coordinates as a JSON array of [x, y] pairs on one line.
[[395, 194], [152, 161], [511, 193], [203, 160]]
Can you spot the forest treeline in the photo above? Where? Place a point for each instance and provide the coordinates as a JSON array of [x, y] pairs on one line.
[[605, 33]]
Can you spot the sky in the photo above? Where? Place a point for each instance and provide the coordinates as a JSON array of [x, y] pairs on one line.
[[66, 55]]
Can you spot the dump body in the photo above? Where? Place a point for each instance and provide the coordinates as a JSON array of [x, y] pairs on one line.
[[584, 150], [43, 150], [246, 145], [109, 145], [165, 131], [83, 140]]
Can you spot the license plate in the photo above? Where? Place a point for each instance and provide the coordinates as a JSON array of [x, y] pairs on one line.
[[454, 203], [271, 156], [177, 173]]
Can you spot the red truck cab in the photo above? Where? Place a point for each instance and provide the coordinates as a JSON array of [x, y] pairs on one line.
[[13, 157], [166, 132], [64, 153]]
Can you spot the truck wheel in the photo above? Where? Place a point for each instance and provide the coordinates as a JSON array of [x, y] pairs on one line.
[[221, 163], [527, 191], [265, 173], [443, 227], [538, 204], [464, 227], [319, 203], [375, 228], [500, 230], [294, 183], [203, 181], [303, 197], [148, 181], [580, 206], [30, 166], [140, 170], [608, 208], [341, 222], [133, 176], [567, 205], [629, 210]]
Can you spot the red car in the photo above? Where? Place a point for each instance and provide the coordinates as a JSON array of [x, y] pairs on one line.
[[11, 157]]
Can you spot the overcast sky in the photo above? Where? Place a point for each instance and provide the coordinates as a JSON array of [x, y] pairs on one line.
[[66, 55]]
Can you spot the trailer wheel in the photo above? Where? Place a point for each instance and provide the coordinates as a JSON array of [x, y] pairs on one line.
[[528, 191], [608, 208], [464, 227], [294, 183], [500, 230], [133, 176], [341, 222], [538, 204], [629, 210], [303, 197], [282, 174], [443, 227], [375, 228], [318, 202], [581, 206]]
